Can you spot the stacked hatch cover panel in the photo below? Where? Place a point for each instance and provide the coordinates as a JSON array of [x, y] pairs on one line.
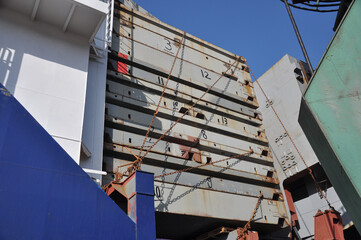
[[223, 124]]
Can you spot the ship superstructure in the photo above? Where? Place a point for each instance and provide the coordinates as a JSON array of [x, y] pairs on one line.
[[207, 120], [167, 123]]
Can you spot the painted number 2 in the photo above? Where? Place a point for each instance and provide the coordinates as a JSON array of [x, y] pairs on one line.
[[205, 74]]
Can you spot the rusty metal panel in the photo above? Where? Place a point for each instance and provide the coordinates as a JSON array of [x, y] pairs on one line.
[[216, 204], [187, 152], [210, 144], [223, 124], [216, 182], [198, 59], [150, 82]]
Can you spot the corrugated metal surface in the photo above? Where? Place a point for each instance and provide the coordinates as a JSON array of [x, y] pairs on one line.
[[330, 114], [223, 124]]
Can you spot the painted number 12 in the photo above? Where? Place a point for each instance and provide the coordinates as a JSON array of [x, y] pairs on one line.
[[205, 74]]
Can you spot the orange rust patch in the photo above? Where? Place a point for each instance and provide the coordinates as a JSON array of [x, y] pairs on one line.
[[177, 42]]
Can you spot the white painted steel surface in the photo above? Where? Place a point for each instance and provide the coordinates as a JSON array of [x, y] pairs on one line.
[[80, 17], [46, 70], [223, 124], [93, 128], [285, 92]]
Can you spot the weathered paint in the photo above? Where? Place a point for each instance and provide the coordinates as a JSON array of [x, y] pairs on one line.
[[330, 113], [328, 225], [223, 124]]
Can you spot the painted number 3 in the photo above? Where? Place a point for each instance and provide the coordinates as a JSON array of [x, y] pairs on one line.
[[168, 45]]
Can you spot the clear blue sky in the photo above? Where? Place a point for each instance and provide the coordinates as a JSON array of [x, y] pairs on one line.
[[259, 30]]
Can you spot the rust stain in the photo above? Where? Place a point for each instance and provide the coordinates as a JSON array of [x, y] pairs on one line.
[[124, 20], [258, 116], [227, 65], [189, 152], [177, 42], [247, 87]]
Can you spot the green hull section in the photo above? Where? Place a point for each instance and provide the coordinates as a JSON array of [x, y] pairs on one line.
[[331, 112]]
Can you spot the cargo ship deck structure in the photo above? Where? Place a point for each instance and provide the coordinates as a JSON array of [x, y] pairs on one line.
[[209, 103], [167, 123], [330, 115]]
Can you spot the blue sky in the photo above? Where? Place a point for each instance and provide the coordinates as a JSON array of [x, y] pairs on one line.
[[259, 30]]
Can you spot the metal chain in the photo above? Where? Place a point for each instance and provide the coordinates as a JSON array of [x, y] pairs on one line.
[[204, 164], [322, 195], [242, 232], [137, 163], [160, 100], [185, 113], [164, 36]]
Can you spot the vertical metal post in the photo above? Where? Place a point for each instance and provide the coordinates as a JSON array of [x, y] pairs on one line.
[[298, 36]]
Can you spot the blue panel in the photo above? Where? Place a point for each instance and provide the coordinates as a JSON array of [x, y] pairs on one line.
[[44, 194], [144, 182], [145, 205]]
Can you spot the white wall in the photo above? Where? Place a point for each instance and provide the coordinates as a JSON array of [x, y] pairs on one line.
[[46, 70], [93, 129], [280, 85]]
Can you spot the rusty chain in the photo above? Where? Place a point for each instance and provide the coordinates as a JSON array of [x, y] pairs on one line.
[[186, 112], [204, 164], [137, 163], [138, 159], [318, 188], [160, 99], [242, 232]]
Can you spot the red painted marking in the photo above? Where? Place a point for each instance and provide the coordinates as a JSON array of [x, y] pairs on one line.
[[122, 67]]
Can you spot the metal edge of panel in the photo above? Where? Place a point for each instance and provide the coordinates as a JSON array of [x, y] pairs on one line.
[[151, 87], [328, 46], [179, 32], [325, 153], [210, 103]]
